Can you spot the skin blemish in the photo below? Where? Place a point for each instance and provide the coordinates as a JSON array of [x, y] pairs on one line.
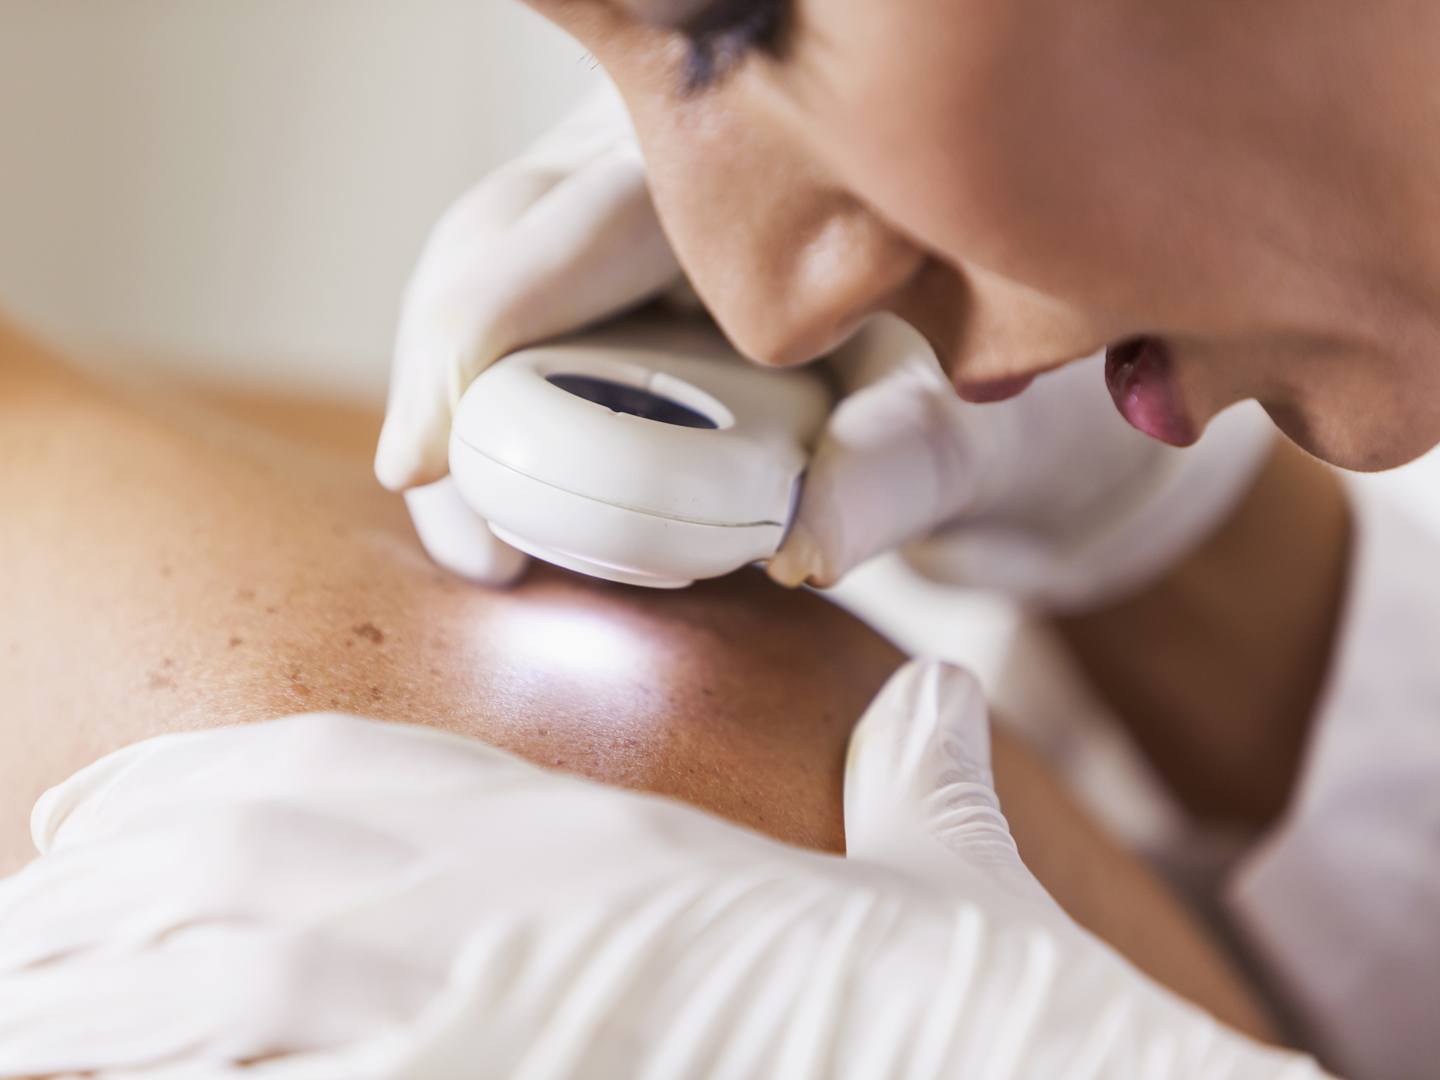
[[271, 610], [245, 595], [375, 693], [160, 682], [236, 642], [300, 690], [166, 571], [370, 632]]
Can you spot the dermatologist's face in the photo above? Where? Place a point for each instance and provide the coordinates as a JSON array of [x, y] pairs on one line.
[[1217, 191]]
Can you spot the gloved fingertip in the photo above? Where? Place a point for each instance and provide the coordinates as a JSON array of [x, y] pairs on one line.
[[403, 461], [798, 561], [458, 539], [920, 754], [506, 566], [926, 700]]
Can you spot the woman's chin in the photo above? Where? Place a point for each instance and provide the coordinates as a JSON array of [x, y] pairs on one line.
[[1369, 445]]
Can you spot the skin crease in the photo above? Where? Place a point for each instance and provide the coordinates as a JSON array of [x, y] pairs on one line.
[[193, 559], [1256, 184]]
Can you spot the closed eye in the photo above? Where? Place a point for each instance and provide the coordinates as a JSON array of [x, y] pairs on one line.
[[727, 31]]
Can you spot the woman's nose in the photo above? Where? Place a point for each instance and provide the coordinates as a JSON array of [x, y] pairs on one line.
[[812, 283], [785, 258]]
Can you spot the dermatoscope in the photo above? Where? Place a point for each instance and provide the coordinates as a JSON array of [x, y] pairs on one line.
[[647, 451]]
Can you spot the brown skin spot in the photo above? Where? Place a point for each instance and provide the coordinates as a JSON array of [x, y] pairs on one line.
[[376, 693], [370, 632], [160, 682], [236, 642], [166, 571], [245, 595]]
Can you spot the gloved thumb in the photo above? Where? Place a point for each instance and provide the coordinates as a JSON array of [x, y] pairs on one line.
[[890, 464], [918, 769], [458, 539]]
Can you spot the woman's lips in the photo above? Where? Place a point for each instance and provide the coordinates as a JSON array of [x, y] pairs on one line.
[[982, 393], [1142, 384]]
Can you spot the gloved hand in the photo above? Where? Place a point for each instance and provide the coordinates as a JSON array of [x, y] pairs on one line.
[[325, 897], [563, 236], [1051, 496]]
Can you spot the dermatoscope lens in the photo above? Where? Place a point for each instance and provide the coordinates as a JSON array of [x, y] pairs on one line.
[[632, 400]]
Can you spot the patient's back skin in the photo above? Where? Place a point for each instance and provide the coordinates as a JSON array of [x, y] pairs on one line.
[[176, 560]]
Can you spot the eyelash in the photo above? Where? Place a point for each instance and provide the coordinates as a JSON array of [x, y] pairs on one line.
[[722, 36]]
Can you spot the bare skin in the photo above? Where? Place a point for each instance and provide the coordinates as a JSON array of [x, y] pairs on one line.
[[1218, 667], [211, 560]]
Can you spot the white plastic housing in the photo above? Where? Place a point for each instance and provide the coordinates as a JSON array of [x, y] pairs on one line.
[[623, 497]]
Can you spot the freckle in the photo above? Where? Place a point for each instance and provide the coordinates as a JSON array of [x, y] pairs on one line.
[[542, 731], [271, 610], [370, 632], [349, 643], [707, 691], [300, 690], [167, 663], [235, 642], [160, 682], [245, 594], [165, 571], [375, 693]]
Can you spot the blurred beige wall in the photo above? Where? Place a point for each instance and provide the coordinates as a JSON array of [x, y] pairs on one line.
[[243, 185]]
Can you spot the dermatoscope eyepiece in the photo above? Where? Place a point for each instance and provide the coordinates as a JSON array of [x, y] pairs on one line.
[[647, 452], [631, 400]]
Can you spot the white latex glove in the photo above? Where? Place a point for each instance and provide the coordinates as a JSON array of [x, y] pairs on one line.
[[1051, 496], [561, 237], [325, 897]]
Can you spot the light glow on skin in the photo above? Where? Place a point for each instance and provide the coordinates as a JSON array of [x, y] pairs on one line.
[[570, 641]]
